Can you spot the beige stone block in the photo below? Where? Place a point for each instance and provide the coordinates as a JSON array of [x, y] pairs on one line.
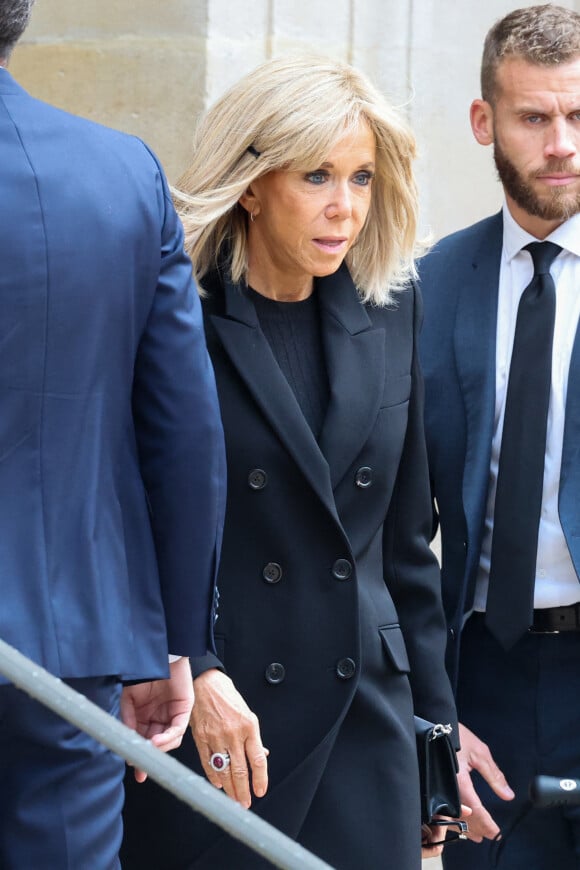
[[82, 19], [152, 88]]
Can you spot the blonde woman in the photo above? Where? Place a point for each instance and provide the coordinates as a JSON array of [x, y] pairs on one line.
[[299, 210]]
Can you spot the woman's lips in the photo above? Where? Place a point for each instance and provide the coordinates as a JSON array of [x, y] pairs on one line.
[[330, 243]]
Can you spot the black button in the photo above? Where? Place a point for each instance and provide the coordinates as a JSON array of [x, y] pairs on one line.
[[342, 569], [345, 669], [275, 673], [257, 479], [452, 633], [364, 477], [272, 572]]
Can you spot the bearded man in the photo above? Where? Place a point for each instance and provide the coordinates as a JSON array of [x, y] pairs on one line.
[[501, 356]]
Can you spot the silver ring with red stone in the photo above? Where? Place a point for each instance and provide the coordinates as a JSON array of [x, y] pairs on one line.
[[219, 761]]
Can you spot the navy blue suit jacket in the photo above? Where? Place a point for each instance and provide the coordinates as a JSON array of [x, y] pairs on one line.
[[111, 451], [459, 282]]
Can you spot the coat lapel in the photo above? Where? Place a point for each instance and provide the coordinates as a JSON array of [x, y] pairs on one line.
[[355, 359], [254, 361], [475, 350]]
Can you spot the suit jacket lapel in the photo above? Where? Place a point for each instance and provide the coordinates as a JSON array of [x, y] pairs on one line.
[[252, 357], [570, 471], [355, 359], [475, 348]]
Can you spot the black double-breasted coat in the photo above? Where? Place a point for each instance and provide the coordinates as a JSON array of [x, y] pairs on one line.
[[330, 622]]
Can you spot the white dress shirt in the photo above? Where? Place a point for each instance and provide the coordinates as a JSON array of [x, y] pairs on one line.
[[556, 580]]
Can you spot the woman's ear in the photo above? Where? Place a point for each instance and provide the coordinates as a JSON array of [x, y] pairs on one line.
[[481, 117], [250, 202]]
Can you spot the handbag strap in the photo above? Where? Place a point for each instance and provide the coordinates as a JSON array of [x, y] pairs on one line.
[[499, 841]]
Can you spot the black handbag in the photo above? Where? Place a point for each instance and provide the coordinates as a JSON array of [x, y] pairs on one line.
[[438, 771]]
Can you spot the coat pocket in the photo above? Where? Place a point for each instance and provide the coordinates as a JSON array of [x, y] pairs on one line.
[[394, 646], [396, 391]]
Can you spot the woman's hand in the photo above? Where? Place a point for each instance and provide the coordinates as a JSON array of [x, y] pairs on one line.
[[221, 721], [429, 835], [443, 831]]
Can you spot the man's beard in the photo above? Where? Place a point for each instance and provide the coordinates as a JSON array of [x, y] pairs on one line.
[[557, 203]]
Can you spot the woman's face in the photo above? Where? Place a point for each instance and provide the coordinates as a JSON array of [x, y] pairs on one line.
[[305, 222]]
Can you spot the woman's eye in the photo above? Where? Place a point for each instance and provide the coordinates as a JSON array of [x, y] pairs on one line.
[[318, 177], [363, 178]]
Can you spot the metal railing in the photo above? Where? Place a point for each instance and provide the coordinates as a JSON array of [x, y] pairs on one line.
[[178, 779]]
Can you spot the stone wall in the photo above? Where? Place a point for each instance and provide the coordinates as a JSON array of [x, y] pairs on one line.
[[138, 65], [150, 67]]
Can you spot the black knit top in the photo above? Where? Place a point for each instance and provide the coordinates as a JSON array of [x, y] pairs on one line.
[[293, 332]]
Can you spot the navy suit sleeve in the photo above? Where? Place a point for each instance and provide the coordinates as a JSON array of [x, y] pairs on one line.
[[180, 442], [412, 572]]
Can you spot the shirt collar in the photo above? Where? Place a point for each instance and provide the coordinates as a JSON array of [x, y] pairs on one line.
[[567, 235]]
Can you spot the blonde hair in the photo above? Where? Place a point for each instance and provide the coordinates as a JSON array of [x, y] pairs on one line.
[[291, 112]]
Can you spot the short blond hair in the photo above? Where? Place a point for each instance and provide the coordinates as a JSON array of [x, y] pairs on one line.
[[289, 114]]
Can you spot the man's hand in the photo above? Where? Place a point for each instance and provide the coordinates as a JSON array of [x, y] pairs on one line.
[[475, 755], [221, 721], [160, 710]]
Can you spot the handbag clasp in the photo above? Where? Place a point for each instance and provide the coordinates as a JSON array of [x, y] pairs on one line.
[[440, 730]]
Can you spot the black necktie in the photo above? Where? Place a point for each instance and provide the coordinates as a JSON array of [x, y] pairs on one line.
[[518, 500]]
